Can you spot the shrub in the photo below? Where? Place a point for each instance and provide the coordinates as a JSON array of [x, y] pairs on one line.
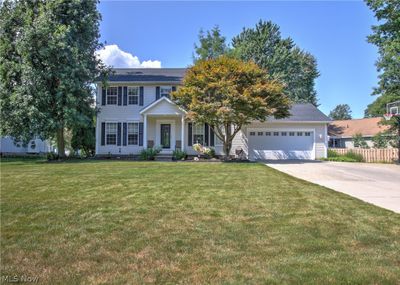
[[198, 148], [340, 159], [52, 156], [209, 152], [179, 154], [352, 155], [332, 153], [149, 153]]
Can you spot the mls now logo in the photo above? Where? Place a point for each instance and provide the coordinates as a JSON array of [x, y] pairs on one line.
[[19, 279]]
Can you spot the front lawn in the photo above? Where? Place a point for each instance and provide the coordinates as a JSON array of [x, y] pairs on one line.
[[192, 223]]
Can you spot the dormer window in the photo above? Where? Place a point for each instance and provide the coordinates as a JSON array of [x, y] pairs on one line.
[[165, 91], [112, 95], [133, 95]]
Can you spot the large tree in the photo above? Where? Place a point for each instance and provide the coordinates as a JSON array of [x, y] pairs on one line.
[[227, 94], [283, 60], [386, 36], [211, 45], [341, 112], [53, 51]]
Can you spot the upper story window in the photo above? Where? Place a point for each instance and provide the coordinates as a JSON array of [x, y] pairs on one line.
[[198, 133], [165, 91], [112, 95], [111, 133], [133, 95], [133, 133]]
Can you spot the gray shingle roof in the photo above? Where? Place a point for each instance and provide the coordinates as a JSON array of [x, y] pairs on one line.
[[147, 75], [303, 113]]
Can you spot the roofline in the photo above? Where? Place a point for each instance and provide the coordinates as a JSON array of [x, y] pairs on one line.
[[140, 82], [148, 68], [356, 119], [158, 101], [299, 122]]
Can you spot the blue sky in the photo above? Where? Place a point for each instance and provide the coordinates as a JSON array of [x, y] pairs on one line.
[[154, 34]]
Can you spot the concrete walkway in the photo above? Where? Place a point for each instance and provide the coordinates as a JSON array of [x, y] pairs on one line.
[[378, 184]]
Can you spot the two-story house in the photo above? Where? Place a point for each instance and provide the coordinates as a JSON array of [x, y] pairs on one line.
[[136, 112]]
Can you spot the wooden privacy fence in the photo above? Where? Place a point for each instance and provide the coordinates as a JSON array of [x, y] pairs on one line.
[[372, 154]]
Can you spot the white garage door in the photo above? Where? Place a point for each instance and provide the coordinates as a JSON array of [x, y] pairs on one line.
[[280, 144]]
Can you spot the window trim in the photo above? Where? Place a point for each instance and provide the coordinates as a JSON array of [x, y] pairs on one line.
[[112, 95], [165, 87], [107, 130], [137, 95], [127, 133], [194, 125]]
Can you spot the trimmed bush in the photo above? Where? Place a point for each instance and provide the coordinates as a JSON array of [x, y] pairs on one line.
[[179, 154], [149, 153]]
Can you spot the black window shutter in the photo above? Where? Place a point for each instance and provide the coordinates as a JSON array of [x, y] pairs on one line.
[[212, 136], [190, 143], [119, 134], [140, 134], [103, 96], [141, 94], [124, 134], [120, 95], [103, 133], [173, 88], [125, 95], [206, 134], [157, 92]]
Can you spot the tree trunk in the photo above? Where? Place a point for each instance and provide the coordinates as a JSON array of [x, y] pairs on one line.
[[60, 143], [227, 149]]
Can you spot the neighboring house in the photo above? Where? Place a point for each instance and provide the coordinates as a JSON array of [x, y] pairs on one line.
[[135, 112], [35, 146], [341, 132]]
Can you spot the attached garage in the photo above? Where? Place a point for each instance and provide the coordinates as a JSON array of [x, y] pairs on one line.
[[281, 144]]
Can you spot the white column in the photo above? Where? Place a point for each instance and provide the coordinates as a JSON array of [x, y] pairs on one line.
[[145, 132], [183, 133]]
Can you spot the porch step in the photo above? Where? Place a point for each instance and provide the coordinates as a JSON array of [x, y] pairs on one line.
[[163, 157]]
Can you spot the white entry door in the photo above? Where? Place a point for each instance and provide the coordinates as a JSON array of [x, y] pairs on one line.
[[280, 144]]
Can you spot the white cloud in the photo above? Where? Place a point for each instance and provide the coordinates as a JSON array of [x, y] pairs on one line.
[[114, 56]]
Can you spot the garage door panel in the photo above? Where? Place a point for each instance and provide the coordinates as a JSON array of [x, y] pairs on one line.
[[272, 146]]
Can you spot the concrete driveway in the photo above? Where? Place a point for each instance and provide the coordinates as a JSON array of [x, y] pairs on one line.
[[378, 184]]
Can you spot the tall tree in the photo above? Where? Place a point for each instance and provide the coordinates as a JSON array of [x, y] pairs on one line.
[[341, 112], [227, 94], [386, 36], [54, 47], [211, 45], [283, 60]]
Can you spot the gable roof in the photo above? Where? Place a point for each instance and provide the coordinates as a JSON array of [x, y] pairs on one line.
[[347, 128], [167, 75], [303, 113], [148, 107]]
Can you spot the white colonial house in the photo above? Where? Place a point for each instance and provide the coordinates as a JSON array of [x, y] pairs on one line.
[[136, 112], [9, 146]]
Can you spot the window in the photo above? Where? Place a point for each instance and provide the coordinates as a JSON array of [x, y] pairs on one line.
[[260, 133], [198, 133], [165, 90], [133, 133], [283, 134], [267, 133], [133, 95], [307, 134], [299, 134], [112, 95], [252, 133], [111, 133], [276, 134], [291, 134], [33, 144]]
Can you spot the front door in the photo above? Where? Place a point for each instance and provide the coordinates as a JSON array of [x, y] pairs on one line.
[[165, 135]]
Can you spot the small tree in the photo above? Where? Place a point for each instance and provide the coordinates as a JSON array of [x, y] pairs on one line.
[[359, 141], [341, 112], [211, 45], [228, 94], [380, 140]]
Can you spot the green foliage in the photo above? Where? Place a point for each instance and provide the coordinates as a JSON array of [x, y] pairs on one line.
[[52, 156], [227, 94], [179, 154], [283, 60], [84, 138], [386, 37], [359, 141], [209, 152], [212, 45], [50, 46], [350, 156], [341, 112], [149, 153], [380, 140]]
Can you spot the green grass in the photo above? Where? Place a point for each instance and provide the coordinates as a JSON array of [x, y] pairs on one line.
[[191, 223]]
